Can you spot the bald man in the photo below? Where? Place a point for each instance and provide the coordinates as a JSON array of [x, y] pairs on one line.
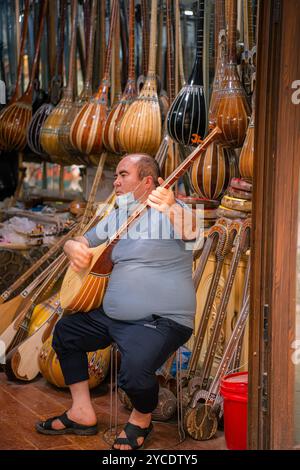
[[148, 308]]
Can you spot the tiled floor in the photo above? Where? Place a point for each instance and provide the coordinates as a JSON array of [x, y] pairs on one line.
[[22, 405]]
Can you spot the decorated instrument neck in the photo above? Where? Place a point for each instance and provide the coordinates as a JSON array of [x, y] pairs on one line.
[[232, 25], [131, 70], [21, 58], [90, 52], [153, 39], [69, 90], [37, 49], [170, 55], [200, 25], [219, 21], [145, 44], [114, 13]]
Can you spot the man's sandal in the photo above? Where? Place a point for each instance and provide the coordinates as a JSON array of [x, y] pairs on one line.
[[71, 427], [133, 432]]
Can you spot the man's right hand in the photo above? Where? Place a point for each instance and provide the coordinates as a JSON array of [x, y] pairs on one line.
[[78, 253]]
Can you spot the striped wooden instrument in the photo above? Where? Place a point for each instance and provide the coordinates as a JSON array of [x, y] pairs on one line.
[[233, 110], [84, 97], [220, 46], [98, 364], [49, 134], [86, 129], [140, 128], [247, 153], [84, 290], [186, 121], [166, 156], [20, 66], [40, 116], [212, 172], [111, 128], [17, 116]]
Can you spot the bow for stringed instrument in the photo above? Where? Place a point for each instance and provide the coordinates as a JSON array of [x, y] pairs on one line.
[[84, 290]]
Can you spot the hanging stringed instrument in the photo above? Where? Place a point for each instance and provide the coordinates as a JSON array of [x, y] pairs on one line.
[[17, 116], [186, 121], [84, 97], [111, 128], [145, 44], [140, 128], [233, 111], [86, 129], [40, 116], [49, 134], [220, 37], [84, 290], [20, 66], [247, 154]]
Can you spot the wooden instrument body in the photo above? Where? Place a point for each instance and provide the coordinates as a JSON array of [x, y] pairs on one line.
[[14, 123], [112, 125], [212, 172], [75, 157], [186, 121], [86, 129], [98, 364], [140, 128], [84, 290], [247, 153], [42, 312], [49, 136], [35, 126], [233, 110], [22, 360]]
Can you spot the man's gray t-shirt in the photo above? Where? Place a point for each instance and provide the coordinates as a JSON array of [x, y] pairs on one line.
[[152, 273]]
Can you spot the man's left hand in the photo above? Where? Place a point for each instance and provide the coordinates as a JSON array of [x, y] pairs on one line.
[[161, 199]]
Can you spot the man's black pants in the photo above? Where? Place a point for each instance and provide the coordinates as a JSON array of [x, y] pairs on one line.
[[144, 346]]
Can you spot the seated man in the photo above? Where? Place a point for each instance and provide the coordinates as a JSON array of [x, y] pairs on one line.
[[148, 308]]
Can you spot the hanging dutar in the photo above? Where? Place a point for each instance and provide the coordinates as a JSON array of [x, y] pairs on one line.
[[186, 120]]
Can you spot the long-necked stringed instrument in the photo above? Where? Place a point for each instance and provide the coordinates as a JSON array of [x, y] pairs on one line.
[[84, 290], [40, 116], [220, 44], [84, 97], [17, 116], [140, 128], [111, 128], [247, 154], [186, 121], [49, 134], [233, 110], [86, 129]]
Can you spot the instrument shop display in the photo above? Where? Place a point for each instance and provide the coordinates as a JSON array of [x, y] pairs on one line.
[[86, 82]]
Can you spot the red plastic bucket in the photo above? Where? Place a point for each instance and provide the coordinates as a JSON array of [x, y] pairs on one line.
[[234, 389]]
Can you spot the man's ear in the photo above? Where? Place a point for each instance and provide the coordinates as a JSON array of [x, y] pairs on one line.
[[149, 181]]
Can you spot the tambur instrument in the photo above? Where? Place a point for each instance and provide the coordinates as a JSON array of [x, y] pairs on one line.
[[233, 110], [40, 116], [49, 135], [86, 129], [85, 95], [17, 116], [84, 290], [186, 120], [111, 128], [140, 128]]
